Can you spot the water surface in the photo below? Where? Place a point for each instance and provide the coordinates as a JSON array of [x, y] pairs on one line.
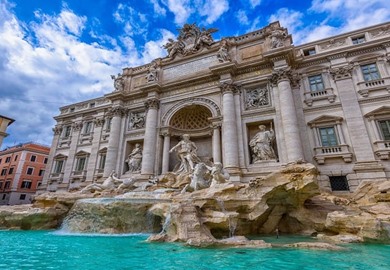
[[35, 250]]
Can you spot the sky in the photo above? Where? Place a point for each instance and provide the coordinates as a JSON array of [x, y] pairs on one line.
[[54, 53]]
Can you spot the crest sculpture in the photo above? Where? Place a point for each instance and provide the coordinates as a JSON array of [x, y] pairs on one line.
[[191, 39]]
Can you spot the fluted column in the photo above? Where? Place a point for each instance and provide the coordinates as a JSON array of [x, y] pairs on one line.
[[113, 141], [165, 154], [229, 127], [289, 117], [237, 103], [216, 143], [149, 152]]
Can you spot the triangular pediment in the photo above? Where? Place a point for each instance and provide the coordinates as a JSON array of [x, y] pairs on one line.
[[325, 119], [82, 153], [384, 110], [103, 150], [60, 156]]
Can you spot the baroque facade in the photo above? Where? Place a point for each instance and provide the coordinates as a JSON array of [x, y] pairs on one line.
[[253, 102]]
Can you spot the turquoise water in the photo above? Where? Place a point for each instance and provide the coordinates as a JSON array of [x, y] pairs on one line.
[[35, 250]]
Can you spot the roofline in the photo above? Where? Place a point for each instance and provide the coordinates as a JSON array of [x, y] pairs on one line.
[[5, 117]]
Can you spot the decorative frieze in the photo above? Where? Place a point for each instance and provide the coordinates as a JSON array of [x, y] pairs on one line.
[[117, 111]]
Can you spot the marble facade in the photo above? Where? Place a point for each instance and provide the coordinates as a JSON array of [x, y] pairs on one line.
[[326, 102]]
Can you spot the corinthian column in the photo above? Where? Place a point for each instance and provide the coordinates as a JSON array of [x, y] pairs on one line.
[[149, 152], [113, 141], [288, 112], [229, 128]]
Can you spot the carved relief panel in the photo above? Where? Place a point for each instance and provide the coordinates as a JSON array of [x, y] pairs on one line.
[[257, 97]]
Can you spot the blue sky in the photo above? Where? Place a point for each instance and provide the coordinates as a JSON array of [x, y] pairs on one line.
[[54, 53]]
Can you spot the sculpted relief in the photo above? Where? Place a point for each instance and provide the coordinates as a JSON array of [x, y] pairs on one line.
[[256, 98], [136, 120]]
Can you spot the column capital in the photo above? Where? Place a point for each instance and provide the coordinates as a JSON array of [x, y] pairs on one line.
[[153, 103], [117, 111], [344, 72], [57, 129], [229, 87], [281, 74], [98, 121], [215, 125], [77, 125]]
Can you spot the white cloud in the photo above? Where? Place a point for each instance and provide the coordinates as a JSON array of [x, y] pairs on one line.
[[45, 65], [158, 10], [242, 17], [135, 23], [184, 9], [254, 3], [213, 9]]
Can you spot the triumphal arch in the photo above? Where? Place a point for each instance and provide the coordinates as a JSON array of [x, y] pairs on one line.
[[252, 103]]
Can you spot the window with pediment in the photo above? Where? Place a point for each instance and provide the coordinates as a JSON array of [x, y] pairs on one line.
[[329, 139], [379, 121]]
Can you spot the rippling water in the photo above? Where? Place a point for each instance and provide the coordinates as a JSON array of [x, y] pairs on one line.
[[35, 250]]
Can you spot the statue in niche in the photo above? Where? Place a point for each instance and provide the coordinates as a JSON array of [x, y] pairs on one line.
[[256, 98], [134, 159], [137, 120], [261, 145], [186, 151], [223, 54], [151, 75], [277, 38], [119, 83]]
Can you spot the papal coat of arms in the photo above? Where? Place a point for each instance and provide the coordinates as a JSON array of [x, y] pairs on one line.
[[191, 39]]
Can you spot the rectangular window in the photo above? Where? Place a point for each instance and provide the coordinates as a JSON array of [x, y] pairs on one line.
[[71, 109], [41, 172], [108, 124], [33, 158], [80, 164], [316, 83], [30, 171], [328, 136], [4, 195], [102, 161], [1, 160], [1, 184], [66, 132], [310, 51], [92, 105], [339, 183], [8, 159], [385, 129], [22, 197], [358, 40], [7, 184], [26, 184], [58, 166], [3, 172], [16, 158], [88, 127], [45, 160], [370, 72], [11, 170]]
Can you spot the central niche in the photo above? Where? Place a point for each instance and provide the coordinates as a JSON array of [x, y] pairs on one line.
[[190, 118]]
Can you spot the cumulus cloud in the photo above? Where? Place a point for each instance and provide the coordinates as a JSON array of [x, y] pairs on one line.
[[242, 17], [45, 65], [184, 9], [254, 3], [157, 8], [135, 23]]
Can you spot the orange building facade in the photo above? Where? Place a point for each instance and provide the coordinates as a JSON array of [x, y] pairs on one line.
[[21, 171]]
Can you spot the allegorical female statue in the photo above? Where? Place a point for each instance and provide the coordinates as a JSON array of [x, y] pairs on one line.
[[261, 145]]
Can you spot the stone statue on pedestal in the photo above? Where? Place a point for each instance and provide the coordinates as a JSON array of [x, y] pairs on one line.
[[261, 145], [186, 151], [119, 83], [134, 159]]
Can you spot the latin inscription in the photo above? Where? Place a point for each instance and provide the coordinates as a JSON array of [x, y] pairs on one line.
[[189, 68]]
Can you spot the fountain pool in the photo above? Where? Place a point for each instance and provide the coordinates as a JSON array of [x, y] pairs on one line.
[[55, 250]]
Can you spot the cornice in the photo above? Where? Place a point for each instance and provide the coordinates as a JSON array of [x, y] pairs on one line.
[[323, 107]]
